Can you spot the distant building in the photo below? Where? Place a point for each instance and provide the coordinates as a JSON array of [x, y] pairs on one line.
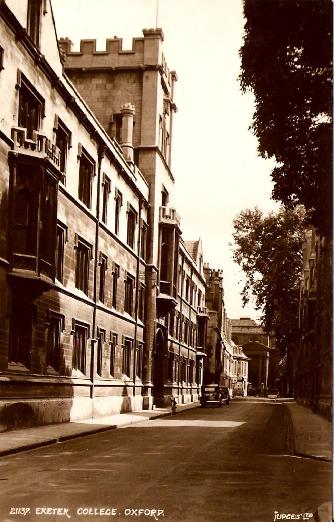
[[219, 365], [241, 362], [257, 346]]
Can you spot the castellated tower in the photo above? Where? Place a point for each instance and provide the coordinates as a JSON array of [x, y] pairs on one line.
[[131, 93]]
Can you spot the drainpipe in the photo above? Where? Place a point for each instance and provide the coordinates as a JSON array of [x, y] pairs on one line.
[[136, 296], [101, 151]]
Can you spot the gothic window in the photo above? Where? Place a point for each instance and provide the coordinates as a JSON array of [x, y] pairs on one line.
[[31, 106], [24, 212], [164, 197], [131, 226], [112, 360], [80, 338], [47, 218], [118, 205], [103, 270], [101, 337], [143, 241], [128, 298], [105, 197], [56, 326], [34, 20], [115, 276], [83, 257], [86, 173], [61, 238], [126, 360], [63, 142]]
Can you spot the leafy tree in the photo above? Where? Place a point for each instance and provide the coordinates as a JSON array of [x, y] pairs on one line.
[[269, 250], [287, 62]]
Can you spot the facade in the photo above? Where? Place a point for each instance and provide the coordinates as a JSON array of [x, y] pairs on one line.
[[142, 77], [73, 248], [240, 381], [102, 303], [258, 347], [219, 365], [312, 362]]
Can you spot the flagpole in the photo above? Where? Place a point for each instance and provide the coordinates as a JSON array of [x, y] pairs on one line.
[[156, 13]]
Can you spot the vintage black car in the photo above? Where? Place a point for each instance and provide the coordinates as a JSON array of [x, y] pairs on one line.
[[213, 394]]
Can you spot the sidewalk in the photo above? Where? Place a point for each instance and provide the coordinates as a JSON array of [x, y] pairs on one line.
[[312, 434], [29, 438]]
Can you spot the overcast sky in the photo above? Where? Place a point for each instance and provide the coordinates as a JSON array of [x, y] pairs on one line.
[[214, 158]]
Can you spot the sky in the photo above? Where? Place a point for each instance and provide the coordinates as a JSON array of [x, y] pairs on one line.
[[214, 154]]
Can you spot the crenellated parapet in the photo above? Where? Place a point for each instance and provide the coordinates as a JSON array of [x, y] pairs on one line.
[[145, 53]]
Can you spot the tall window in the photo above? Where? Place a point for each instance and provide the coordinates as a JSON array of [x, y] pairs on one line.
[[105, 197], [80, 337], [31, 107], [24, 212], [48, 206], [63, 142], [34, 20], [113, 345], [186, 331], [128, 299], [126, 360], [118, 205], [101, 337], [61, 238], [191, 292], [103, 269], [164, 197], [86, 173], [56, 326], [20, 337], [115, 276], [84, 253], [187, 288], [143, 241], [131, 226]]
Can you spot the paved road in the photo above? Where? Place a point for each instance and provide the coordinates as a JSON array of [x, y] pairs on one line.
[[229, 464]]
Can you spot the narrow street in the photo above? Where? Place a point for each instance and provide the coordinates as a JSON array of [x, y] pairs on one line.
[[228, 464]]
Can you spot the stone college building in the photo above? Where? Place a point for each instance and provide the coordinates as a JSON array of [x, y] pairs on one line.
[[102, 303]]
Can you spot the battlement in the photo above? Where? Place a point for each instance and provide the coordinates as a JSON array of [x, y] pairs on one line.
[[213, 273], [146, 51]]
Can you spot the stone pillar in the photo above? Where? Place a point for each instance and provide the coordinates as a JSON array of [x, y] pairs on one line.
[[128, 112]]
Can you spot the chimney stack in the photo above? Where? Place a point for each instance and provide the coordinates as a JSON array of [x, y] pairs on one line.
[[128, 112]]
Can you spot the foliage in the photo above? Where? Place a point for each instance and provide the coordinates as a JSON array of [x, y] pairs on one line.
[[269, 251], [287, 63]]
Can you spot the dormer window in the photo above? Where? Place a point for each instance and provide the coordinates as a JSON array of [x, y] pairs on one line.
[[34, 21]]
